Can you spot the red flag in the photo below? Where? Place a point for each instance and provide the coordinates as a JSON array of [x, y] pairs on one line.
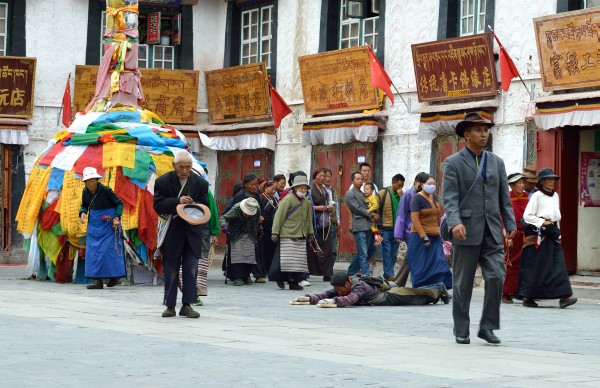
[[508, 70], [279, 108], [379, 78], [66, 102]]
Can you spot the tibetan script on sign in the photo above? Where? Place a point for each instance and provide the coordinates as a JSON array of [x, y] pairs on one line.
[[568, 49], [17, 82], [237, 93], [455, 68], [337, 81], [171, 94]]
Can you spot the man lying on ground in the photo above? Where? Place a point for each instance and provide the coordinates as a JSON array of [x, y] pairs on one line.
[[369, 291]]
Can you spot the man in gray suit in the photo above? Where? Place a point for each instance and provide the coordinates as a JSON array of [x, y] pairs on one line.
[[477, 180], [361, 226]]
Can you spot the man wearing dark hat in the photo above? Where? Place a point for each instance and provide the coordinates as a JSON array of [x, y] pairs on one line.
[[181, 246], [476, 198]]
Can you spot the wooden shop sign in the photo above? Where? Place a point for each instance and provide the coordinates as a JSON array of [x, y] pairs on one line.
[[567, 46], [17, 83], [455, 68], [337, 81], [237, 94], [171, 94]]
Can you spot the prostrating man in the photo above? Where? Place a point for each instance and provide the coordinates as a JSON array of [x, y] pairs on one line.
[[477, 201], [348, 291], [389, 198], [104, 250], [361, 226], [182, 244], [404, 222]]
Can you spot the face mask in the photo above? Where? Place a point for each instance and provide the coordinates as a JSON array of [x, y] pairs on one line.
[[300, 194], [429, 189]]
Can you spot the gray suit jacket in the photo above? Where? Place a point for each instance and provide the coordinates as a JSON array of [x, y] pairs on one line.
[[488, 201], [361, 219]]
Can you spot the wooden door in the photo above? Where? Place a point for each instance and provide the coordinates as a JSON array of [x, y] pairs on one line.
[[343, 160], [444, 146], [232, 167], [559, 150], [6, 155]]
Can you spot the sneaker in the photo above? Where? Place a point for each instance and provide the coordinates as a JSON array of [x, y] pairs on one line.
[[198, 302], [169, 312], [187, 311], [260, 280], [303, 283], [248, 281], [238, 282]]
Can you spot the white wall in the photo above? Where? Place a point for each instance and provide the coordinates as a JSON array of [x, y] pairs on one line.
[[588, 234]]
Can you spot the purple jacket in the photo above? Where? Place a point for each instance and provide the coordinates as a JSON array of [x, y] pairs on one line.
[[403, 220]]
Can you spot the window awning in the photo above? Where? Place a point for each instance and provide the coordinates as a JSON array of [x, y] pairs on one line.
[[434, 124], [556, 114], [14, 131], [341, 132], [238, 140]]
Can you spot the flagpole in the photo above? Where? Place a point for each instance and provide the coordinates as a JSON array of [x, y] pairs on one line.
[[269, 83], [501, 47]]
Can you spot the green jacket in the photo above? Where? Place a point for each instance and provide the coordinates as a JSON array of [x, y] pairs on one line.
[[213, 223], [297, 225]]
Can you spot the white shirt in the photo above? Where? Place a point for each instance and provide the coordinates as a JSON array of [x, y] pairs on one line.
[[541, 208]]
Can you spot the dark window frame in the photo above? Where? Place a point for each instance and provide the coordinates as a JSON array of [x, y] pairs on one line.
[[448, 19]]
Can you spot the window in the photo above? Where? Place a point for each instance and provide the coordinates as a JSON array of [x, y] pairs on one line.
[[256, 36], [357, 32], [472, 17], [149, 56], [3, 27], [591, 3]]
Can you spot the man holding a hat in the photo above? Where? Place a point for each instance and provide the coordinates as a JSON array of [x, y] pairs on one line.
[[182, 196], [475, 195], [104, 250]]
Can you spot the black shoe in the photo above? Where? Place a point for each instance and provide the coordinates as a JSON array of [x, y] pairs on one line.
[[113, 282], [463, 340], [326, 278], [248, 281], [96, 285], [187, 311], [527, 302], [444, 296], [489, 336], [296, 286], [567, 302], [281, 284], [169, 312]]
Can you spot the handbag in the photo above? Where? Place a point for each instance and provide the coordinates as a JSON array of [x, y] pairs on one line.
[[445, 232]]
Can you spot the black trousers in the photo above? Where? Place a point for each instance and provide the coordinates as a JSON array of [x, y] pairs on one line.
[[189, 265]]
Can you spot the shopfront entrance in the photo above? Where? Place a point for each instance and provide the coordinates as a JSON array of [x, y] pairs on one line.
[[343, 160]]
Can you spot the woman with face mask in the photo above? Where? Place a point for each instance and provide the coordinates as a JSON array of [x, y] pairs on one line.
[[292, 226], [425, 251]]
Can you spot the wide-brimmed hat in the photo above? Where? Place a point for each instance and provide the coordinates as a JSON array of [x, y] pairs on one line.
[[300, 180], [249, 206], [471, 118], [512, 178], [89, 173], [530, 174], [546, 173], [194, 213]]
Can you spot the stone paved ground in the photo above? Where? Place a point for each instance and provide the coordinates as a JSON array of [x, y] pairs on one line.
[[64, 335]]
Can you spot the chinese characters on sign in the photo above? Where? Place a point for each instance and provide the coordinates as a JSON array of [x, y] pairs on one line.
[[455, 68], [237, 94], [337, 81], [17, 81], [171, 94], [568, 49], [590, 179]]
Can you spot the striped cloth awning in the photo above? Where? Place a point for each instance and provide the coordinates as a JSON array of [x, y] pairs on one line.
[[439, 123], [249, 139], [341, 132], [13, 136], [585, 112]]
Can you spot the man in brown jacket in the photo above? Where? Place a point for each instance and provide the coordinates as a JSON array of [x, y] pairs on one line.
[[389, 198]]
